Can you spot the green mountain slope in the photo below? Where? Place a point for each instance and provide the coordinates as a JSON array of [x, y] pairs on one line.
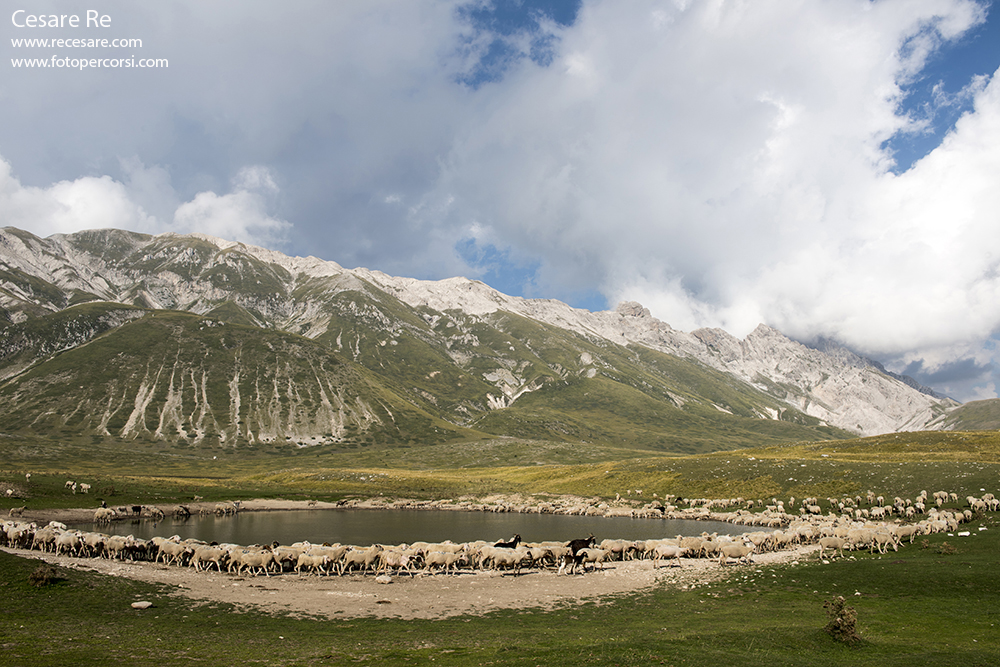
[[186, 380], [975, 416]]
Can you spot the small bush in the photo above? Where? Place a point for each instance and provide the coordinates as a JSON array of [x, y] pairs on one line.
[[43, 575], [947, 549], [843, 621]]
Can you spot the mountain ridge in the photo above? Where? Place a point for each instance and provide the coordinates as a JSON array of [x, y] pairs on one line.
[[397, 326]]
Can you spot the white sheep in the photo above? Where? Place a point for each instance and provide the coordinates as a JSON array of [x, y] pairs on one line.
[[312, 563], [739, 552], [594, 556], [669, 552], [446, 560], [391, 558], [834, 543], [363, 558]]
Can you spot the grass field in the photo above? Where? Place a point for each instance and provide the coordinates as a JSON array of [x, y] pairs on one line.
[[933, 604], [895, 465]]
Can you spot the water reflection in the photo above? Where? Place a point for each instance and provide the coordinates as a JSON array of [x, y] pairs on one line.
[[364, 527]]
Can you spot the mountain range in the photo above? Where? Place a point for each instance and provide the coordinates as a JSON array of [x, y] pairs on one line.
[[192, 341]]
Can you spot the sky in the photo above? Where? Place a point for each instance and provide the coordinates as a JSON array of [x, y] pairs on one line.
[[827, 167]]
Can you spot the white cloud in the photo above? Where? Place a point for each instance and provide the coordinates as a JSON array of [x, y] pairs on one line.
[[238, 216], [67, 206], [99, 202], [723, 163]]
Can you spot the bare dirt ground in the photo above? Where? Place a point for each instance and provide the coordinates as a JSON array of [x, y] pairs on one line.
[[428, 596]]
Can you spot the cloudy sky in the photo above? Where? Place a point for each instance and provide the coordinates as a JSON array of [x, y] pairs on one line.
[[828, 167]]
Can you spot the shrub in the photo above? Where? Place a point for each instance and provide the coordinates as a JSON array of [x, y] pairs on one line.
[[947, 549], [43, 575], [843, 622]]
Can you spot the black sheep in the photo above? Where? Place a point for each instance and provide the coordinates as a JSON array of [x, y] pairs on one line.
[[574, 557], [509, 545]]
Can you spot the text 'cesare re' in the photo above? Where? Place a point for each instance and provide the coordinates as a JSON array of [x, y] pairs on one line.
[[22, 19]]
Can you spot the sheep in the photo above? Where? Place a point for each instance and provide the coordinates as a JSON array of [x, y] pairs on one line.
[[16, 511], [21, 535], [174, 552], [668, 552], [364, 558], [118, 546], [333, 553], [253, 561], [739, 552], [44, 538], [907, 531], [834, 543], [445, 560], [69, 542], [207, 555], [104, 515], [85, 488], [393, 559], [511, 559], [93, 544], [285, 555], [315, 564], [883, 540]]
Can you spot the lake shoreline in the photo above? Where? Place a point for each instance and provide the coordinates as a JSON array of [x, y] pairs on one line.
[[567, 505]]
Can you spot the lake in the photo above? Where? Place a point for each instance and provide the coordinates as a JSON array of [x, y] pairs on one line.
[[364, 527]]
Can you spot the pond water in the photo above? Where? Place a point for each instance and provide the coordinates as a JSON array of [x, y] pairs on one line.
[[364, 527]]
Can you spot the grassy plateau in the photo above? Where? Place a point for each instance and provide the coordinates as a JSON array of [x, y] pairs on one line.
[[935, 602]]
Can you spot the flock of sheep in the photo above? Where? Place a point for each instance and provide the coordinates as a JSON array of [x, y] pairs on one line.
[[846, 526]]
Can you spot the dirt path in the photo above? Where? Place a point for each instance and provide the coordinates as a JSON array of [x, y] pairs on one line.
[[427, 596]]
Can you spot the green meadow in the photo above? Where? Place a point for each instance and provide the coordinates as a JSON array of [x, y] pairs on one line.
[[935, 602]]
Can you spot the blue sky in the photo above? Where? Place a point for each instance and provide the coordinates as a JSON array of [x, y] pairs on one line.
[[825, 166]]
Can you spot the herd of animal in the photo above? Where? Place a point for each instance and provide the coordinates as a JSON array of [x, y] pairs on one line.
[[833, 533]]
